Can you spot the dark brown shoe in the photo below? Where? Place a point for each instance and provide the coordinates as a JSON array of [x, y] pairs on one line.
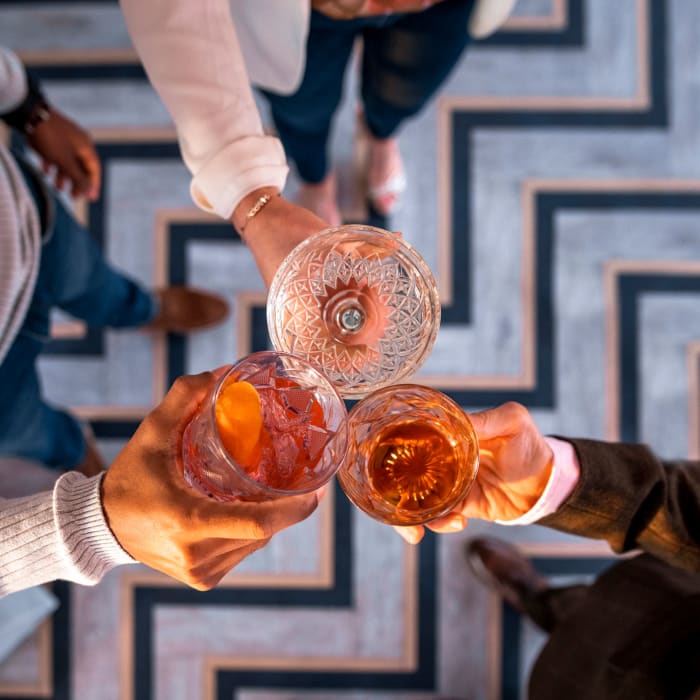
[[500, 566], [185, 309]]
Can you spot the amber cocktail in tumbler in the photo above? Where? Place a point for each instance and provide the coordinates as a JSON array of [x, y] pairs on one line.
[[412, 457], [272, 426]]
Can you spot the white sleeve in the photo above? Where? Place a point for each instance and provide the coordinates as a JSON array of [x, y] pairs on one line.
[[59, 534], [192, 56], [13, 81]]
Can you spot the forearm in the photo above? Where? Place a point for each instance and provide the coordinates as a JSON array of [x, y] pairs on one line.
[[192, 56], [57, 535], [627, 496]]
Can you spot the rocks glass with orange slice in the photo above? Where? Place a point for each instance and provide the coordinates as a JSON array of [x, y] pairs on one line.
[[272, 426]]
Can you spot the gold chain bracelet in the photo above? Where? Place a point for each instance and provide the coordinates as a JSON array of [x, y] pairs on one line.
[[257, 208]]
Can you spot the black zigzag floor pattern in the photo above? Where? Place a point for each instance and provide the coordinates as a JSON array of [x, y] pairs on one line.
[[149, 598]]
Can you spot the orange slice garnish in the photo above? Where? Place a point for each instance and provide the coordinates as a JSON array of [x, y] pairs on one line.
[[239, 421]]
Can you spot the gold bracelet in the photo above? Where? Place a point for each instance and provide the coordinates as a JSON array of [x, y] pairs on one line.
[[256, 209]]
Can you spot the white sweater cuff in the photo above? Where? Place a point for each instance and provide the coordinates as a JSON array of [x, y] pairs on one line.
[[89, 547], [59, 534], [237, 170]]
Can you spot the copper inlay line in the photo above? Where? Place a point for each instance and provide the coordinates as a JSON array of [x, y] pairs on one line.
[[609, 185], [592, 548], [407, 662], [494, 643], [525, 378], [306, 663], [410, 604], [73, 330], [126, 639], [447, 104], [42, 687], [242, 306], [112, 412], [529, 271], [80, 210], [135, 134], [163, 218], [321, 579], [444, 150], [694, 400], [556, 19], [643, 53], [232, 580], [612, 355], [325, 578], [79, 57], [612, 270]]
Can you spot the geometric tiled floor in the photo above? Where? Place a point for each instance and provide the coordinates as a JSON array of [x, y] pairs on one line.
[[554, 189]]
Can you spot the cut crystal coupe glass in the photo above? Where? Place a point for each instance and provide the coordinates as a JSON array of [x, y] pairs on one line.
[[359, 303]]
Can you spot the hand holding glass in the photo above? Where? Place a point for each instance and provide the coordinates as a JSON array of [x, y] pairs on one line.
[[272, 426]]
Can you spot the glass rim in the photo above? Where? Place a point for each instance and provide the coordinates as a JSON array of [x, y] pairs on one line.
[[374, 400], [432, 299]]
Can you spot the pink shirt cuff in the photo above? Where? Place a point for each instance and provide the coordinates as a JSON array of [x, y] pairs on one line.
[[561, 483]]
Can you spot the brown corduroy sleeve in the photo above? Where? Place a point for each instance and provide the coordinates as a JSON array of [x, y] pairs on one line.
[[630, 498]]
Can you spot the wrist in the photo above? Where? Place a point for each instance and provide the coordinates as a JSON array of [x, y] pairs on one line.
[[251, 208], [556, 482], [33, 110]]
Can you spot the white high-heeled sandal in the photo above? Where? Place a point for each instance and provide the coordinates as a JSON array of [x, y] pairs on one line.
[[394, 185]]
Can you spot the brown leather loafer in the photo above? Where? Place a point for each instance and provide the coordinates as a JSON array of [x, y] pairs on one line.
[[185, 309], [499, 565]]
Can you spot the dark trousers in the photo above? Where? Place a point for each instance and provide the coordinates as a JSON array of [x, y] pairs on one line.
[[75, 277], [632, 634], [405, 59]]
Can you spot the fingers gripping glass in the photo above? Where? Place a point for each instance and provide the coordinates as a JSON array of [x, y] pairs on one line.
[[272, 426]]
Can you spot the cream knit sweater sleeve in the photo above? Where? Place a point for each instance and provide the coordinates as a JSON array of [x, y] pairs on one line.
[[59, 534]]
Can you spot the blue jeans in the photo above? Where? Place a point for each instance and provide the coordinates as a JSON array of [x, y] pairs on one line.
[[405, 59], [73, 276]]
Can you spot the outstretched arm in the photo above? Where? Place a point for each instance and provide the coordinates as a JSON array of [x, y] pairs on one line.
[[632, 499], [140, 510], [616, 492], [192, 56]]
